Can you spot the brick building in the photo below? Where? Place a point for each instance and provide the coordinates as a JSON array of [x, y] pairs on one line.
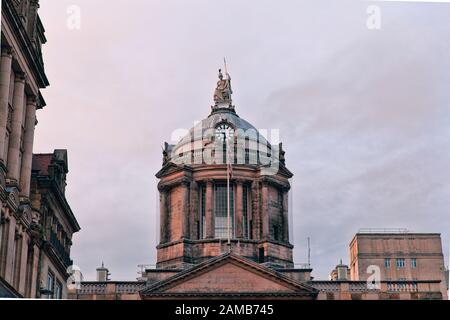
[[33, 260], [400, 256]]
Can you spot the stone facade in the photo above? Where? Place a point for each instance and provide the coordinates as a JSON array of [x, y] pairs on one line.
[[193, 189], [400, 256], [388, 290], [209, 252], [26, 251]]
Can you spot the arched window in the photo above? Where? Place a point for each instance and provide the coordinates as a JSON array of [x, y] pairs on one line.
[[221, 211]]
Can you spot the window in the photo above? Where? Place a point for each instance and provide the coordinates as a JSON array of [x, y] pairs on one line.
[[29, 270], [50, 284], [245, 224], [221, 211], [202, 233], [18, 243], [413, 263], [58, 290], [4, 242], [400, 263], [262, 255], [387, 263], [276, 233]]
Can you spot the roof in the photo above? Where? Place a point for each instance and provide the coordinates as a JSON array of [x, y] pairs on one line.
[[196, 281], [200, 134]]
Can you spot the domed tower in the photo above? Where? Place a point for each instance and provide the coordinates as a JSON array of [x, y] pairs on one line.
[[223, 188]]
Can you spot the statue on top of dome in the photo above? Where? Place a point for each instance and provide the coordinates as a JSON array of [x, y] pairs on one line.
[[222, 94]]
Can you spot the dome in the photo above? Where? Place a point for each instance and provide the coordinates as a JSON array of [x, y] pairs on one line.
[[222, 124], [203, 134]]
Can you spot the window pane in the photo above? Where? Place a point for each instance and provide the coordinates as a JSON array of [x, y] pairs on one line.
[[245, 212], [203, 212], [50, 284], [58, 290], [220, 211], [400, 263]]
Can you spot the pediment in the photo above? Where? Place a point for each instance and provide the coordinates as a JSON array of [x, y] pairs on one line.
[[228, 274]]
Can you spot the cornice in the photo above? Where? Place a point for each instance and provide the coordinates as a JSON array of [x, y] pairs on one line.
[[46, 182], [25, 43]]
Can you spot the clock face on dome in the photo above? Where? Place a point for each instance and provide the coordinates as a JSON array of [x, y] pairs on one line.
[[224, 132]]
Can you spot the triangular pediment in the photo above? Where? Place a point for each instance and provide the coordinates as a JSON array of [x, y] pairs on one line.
[[228, 274]]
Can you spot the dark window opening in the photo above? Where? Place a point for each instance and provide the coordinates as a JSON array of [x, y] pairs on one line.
[[276, 236], [261, 258]]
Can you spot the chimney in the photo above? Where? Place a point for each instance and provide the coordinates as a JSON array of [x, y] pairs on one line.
[[103, 274], [340, 273]]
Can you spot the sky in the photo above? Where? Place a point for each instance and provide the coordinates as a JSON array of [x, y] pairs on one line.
[[363, 113]]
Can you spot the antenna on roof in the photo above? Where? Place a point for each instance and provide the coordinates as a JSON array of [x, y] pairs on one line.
[[309, 251]]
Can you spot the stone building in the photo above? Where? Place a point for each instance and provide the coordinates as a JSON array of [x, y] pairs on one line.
[[57, 221], [223, 217], [400, 256], [26, 246], [340, 273], [193, 194], [207, 251]]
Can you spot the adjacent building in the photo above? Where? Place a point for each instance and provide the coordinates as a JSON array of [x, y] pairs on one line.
[[36, 224], [399, 256]]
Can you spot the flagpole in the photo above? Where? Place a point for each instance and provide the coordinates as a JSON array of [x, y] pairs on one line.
[[228, 197]]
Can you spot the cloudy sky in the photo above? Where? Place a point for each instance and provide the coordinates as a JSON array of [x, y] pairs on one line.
[[364, 114]]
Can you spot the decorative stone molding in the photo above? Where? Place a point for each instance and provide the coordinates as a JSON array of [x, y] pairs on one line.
[[8, 51], [266, 180], [26, 214], [13, 198], [32, 99], [20, 77]]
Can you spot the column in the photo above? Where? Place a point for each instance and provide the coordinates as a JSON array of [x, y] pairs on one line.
[[16, 130], [163, 223], [256, 212], [185, 213], [265, 210], [25, 172], [239, 209], [209, 212], [35, 272], [10, 256], [286, 216], [5, 79]]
